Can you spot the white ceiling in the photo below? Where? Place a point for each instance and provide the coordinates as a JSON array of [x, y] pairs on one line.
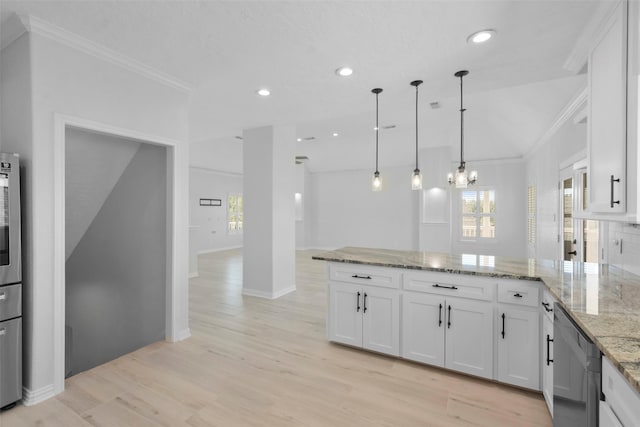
[[226, 50]]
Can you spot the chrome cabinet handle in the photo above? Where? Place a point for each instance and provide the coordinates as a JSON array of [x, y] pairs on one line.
[[616, 202]]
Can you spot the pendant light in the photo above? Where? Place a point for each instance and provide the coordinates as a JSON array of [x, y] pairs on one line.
[[416, 177], [462, 178], [376, 184]]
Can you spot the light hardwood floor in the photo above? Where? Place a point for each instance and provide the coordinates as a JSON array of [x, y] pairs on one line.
[[254, 362]]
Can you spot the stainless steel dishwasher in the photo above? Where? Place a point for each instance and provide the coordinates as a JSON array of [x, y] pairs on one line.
[[577, 367]]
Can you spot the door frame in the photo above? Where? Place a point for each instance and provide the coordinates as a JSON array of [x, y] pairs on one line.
[[174, 303]]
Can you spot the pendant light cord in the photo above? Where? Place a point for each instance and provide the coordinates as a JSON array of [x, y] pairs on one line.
[[462, 110], [377, 130], [416, 127]]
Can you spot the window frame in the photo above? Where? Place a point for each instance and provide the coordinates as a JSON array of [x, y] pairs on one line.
[[239, 216], [477, 215]]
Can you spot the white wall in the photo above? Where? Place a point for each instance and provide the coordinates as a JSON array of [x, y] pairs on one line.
[[345, 212], [508, 181], [542, 171], [210, 222], [67, 81]]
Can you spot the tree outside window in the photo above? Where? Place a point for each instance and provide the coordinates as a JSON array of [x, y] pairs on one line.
[[235, 214], [478, 214]]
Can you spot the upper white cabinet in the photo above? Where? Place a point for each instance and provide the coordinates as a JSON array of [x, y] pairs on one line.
[[608, 116], [613, 156]]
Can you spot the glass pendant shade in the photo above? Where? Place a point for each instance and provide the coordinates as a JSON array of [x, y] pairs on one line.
[[416, 177], [376, 183], [416, 180], [462, 178]]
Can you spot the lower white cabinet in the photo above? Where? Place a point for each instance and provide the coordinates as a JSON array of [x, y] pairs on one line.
[[365, 317], [423, 328], [469, 337], [547, 349], [621, 405], [450, 332], [518, 346]]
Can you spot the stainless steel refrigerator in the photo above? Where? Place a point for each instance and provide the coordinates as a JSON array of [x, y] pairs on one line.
[[10, 282]]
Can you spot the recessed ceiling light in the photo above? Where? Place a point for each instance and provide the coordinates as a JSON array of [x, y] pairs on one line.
[[481, 36], [335, 134], [263, 92], [299, 139], [344, 71]]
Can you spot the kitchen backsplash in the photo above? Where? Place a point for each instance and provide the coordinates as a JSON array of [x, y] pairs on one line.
[[624, 246]]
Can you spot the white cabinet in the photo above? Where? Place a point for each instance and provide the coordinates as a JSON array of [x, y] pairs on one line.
[[450, 332], [469, 337], [621, 405], [518, 346], [547, 349], [607, 131], [447, 320], [423, 328], [363, 316]]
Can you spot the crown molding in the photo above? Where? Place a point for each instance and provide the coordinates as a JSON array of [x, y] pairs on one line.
[[575, 105], [592, 32], [11, 30], [29, 23]]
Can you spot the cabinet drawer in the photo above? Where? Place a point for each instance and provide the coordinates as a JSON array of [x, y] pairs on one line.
[[365, 275], [10, 301], [519, 292], [623, 400], [457, 285]]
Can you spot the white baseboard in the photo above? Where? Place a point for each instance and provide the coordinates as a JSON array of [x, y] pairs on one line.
[[192, 275], [33, 397], [268, 295], [183, 335], [227, 248]]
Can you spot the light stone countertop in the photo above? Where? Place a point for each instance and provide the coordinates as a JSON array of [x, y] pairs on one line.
[[603, 300]]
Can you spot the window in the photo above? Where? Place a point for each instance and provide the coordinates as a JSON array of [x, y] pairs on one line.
[[478, 214], [235, 214], [531, 215]]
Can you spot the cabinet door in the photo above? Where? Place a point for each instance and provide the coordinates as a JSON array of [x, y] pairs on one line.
[[469, 337], [381, 321], [607, 117], [518, 347], [547, 362], [423, 326], [345, 314]]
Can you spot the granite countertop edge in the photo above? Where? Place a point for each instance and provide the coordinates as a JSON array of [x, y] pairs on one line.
[[634, 381]]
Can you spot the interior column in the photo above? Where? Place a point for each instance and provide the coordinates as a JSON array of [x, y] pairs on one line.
[[269, 211]]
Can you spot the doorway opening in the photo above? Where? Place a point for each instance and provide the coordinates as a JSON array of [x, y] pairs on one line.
[[116, 247], [580, 237]]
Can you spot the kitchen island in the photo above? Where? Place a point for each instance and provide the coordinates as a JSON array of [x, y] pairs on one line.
[[603, 300]]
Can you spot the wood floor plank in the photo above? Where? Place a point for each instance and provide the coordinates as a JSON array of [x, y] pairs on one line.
[[256, 362]]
